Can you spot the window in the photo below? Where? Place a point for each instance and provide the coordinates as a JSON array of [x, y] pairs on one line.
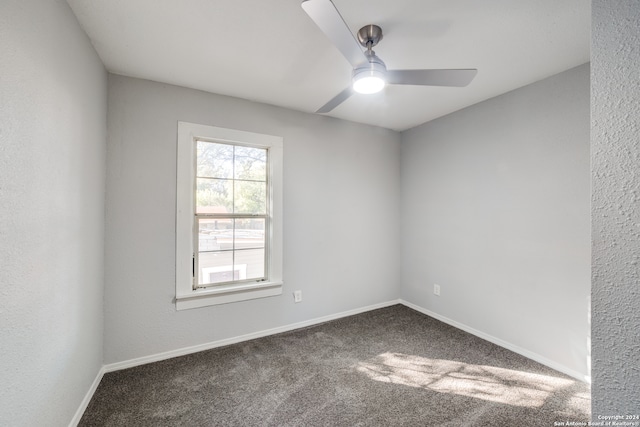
[[228, 216]]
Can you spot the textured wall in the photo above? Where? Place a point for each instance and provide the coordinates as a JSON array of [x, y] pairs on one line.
[[341, 209], [615, 160], [495, 209], [53, 105]]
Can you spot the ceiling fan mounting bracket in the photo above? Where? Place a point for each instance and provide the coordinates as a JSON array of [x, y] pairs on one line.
[[369, 36]]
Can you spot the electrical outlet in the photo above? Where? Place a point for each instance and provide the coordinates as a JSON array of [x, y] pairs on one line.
[[297, 296], [436, 289]]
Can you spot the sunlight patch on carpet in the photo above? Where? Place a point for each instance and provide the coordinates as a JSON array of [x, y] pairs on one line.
[[477, 381]]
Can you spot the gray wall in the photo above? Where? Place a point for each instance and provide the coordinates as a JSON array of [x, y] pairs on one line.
[[615, 160], [341, 209], [53, 98], [495, 210]]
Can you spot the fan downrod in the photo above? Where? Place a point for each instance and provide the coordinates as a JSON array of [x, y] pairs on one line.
[[369, 36]]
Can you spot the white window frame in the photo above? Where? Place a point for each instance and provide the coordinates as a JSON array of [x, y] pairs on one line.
[[186, 296]]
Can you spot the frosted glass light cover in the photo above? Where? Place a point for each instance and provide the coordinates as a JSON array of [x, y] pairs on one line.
[[368, 84]]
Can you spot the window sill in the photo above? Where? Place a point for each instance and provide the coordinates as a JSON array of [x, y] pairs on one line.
[[228, 294]]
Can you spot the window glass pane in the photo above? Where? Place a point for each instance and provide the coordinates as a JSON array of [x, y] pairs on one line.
[[250, 163], [218, 262], [250, 197], [215, 234], [230, 180], [250, 262], [214, 160], [249, 233], [214, 195], [216, 267]]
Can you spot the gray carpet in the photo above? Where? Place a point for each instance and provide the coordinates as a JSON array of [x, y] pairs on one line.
[[387, 367]]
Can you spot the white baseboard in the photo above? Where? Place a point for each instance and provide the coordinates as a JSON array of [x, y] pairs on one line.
[[234, 340], [524, 352], [87, 398]]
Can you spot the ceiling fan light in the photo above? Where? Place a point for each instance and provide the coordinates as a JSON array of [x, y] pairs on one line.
[[369, 77], [368, 81]]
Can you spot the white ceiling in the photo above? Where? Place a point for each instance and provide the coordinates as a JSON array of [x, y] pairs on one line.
[[270, 51]]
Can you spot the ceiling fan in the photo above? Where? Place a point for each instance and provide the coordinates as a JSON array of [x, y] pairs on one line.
[[370, 74]]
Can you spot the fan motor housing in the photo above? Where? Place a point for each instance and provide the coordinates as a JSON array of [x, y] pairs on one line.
[[373, 66]]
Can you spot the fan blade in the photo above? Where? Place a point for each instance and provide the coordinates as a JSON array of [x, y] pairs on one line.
[[336, 100], [458, 78], [328, 19]]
